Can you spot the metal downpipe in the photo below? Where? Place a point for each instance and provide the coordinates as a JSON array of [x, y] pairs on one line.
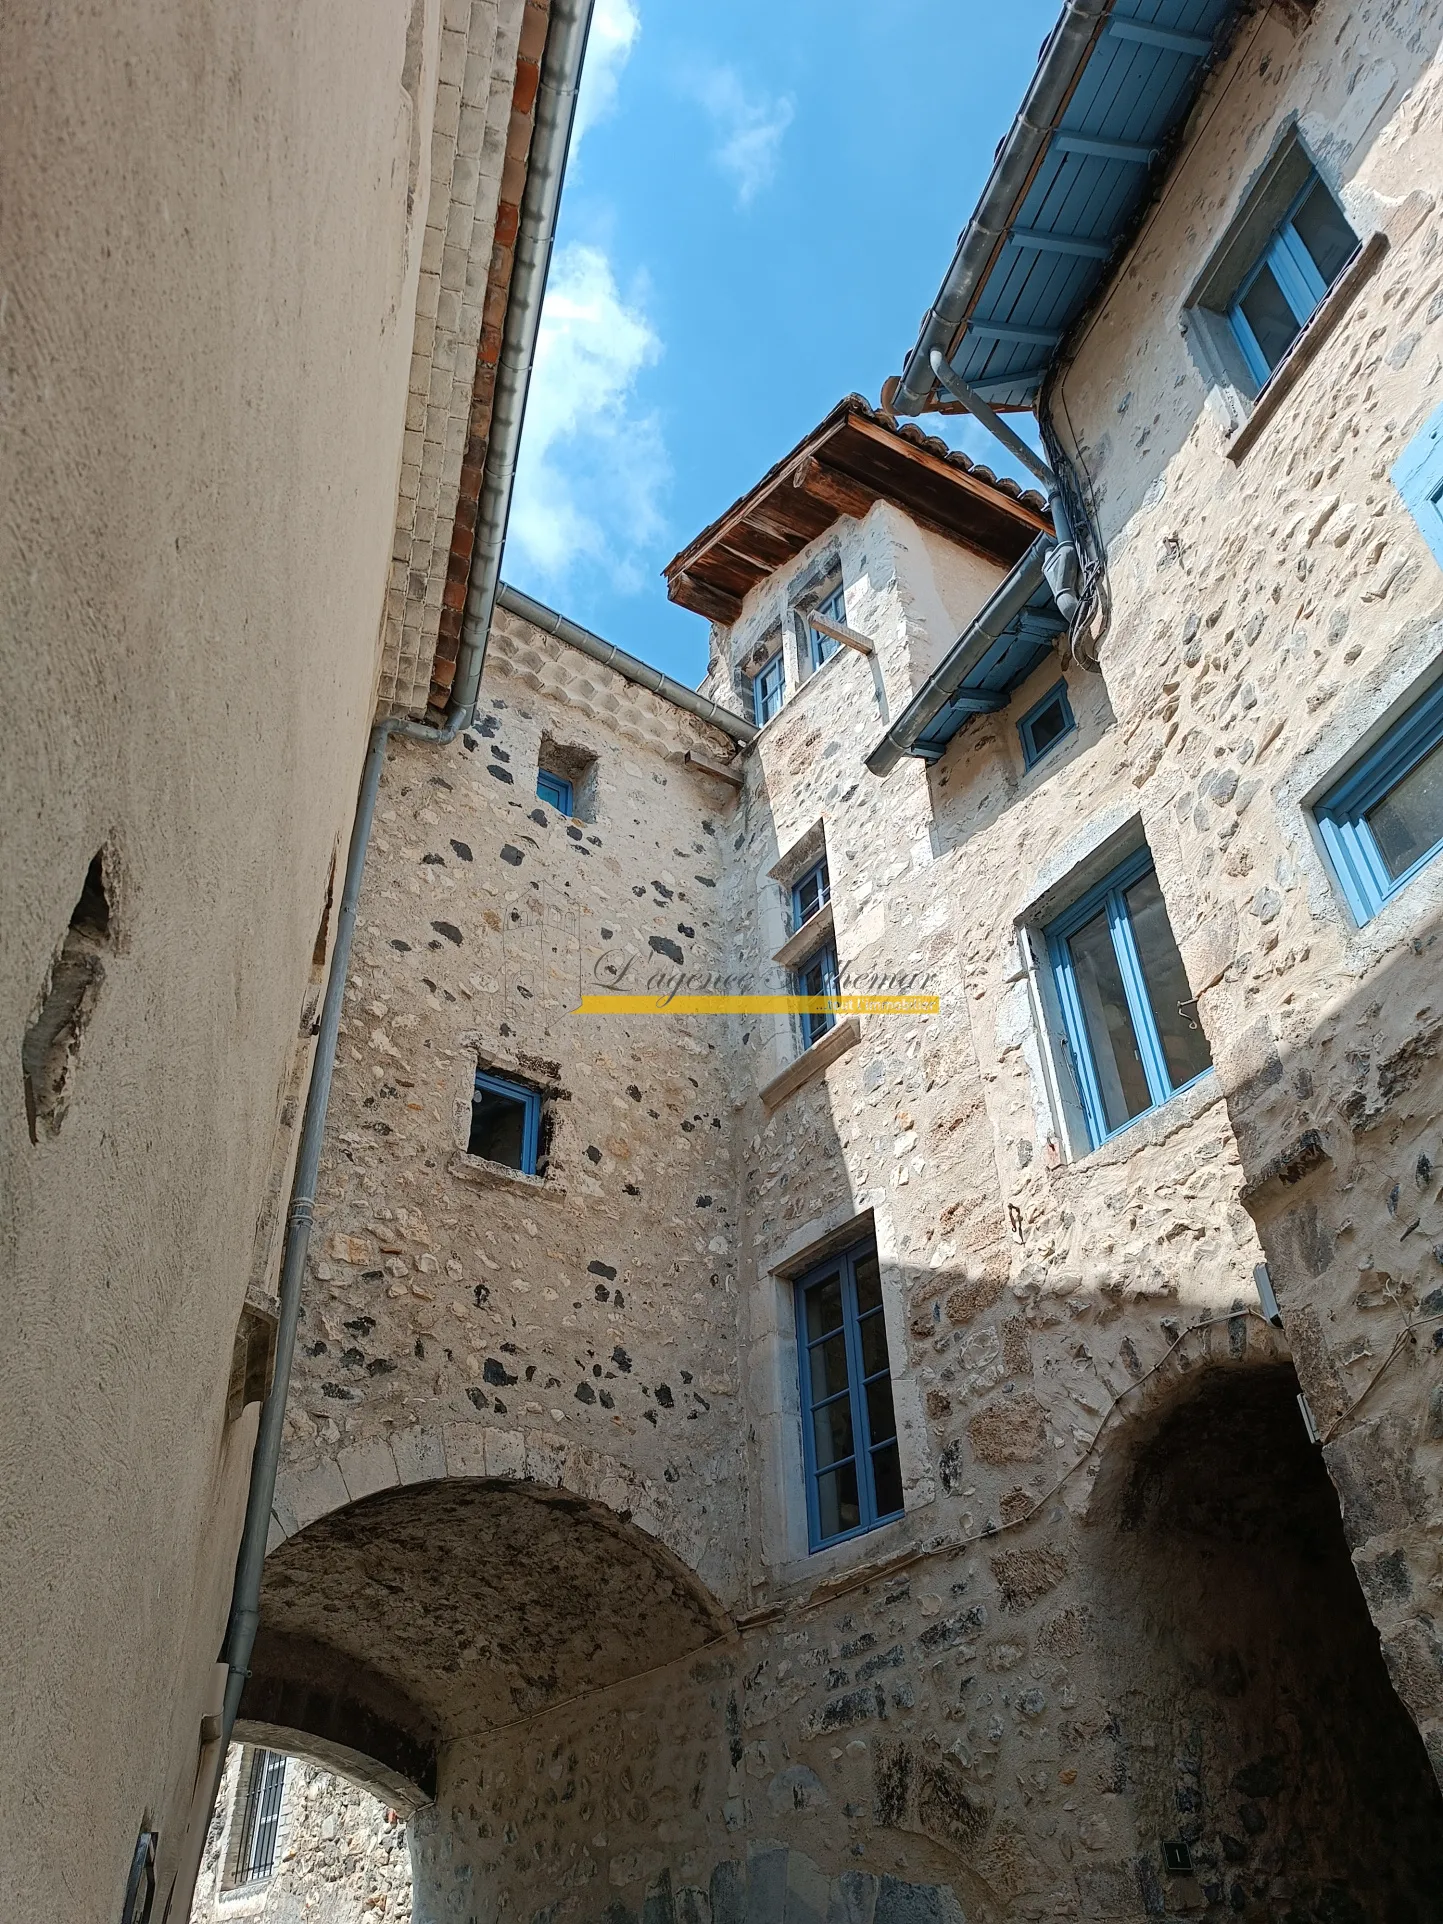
[[933, 696], [1022, 147]]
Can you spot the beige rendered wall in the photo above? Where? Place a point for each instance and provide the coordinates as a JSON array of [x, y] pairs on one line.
[[206, 327]]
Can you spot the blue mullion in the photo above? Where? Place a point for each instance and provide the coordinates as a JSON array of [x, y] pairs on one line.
[[1075, 1040], [861, 1429], [1139, 1002], [1290, 256]]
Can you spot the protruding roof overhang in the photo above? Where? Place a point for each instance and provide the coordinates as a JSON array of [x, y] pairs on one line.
[[857, 456], [1082, 161]]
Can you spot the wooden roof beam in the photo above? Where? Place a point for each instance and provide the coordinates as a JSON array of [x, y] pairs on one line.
[[702, 598], [830, 485]]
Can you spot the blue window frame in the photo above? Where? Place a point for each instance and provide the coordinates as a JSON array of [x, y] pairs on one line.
[[1384, 821], [769, 684], [505, 1122], [554, 789], [834, 608], [817, 976], [1418, 477], [1277, 297], [1045, 724], [849, 1429], [811, 894], [1130, 1022]]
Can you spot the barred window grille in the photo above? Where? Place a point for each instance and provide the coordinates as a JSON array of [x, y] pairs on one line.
[[261, 1816]]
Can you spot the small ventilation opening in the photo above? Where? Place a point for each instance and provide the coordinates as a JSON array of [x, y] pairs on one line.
[[52, 1042]]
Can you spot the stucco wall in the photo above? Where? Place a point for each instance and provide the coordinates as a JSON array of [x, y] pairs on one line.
[[207, 320]]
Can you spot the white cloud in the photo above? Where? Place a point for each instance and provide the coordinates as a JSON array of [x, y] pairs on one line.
[[749, 129], [592, 464], [614, 27]]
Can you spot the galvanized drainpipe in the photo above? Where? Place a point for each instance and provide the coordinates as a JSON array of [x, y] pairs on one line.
[[1023, 146], [561, 63]]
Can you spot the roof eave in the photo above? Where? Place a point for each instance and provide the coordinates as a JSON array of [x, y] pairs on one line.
[[1063, 58]]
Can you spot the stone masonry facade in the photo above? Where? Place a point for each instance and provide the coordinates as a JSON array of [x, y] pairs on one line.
[[542, 1510]]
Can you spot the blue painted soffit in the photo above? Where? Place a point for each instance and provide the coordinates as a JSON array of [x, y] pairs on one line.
[[1116, 81], [1026, 641]]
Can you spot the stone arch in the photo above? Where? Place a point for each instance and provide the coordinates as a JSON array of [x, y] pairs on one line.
[[442, 1446], [1255, 1724], [444, 1606]]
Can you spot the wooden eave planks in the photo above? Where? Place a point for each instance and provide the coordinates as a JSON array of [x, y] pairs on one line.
[[852, 463]]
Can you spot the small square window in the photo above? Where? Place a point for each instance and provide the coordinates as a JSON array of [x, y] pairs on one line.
[[849, 1428], [817, 977], [768, 687], [811, 894], [1418, 477], [819, 646], [1045, 724], [554, 789], [1384, 821], [505, 1123], [1131, 1029]]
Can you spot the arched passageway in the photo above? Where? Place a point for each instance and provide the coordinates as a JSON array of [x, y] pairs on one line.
[[1259, 1737], [454, 1607]]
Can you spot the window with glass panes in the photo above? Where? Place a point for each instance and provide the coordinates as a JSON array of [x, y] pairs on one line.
[[260, 1816], [505, 1122], [1131, 1030], [1384, 821], [834, 608], [1279, 294], [768, 686], [811, 893], [849, 1428], [817, 976]]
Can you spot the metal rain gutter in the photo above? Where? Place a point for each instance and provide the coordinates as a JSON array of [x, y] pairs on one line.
[[961, 658], [610, 656], [561, 65], [1063, 57]]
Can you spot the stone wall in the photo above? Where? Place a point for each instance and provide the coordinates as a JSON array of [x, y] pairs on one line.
[[1270, 612], [1113, 1661], [342, 1857]]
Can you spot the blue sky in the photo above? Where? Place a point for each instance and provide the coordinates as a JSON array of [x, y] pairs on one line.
[[762, 198]]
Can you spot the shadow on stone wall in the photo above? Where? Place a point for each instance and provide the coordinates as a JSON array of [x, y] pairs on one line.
[[1257, 1727]]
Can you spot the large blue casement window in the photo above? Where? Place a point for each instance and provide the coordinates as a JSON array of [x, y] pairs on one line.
[[505, 1123], [810, 894], [1384, 820], [1418, 477], [1279, 294], [834, 608], [768, 686], [849, 1431], [817, 976], [1045, 724], [1132, 1034], [554, 789]]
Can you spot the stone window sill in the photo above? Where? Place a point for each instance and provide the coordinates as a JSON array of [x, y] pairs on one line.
[[1305, 349], [816, 930], [843, 1035], [496, 1175]]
